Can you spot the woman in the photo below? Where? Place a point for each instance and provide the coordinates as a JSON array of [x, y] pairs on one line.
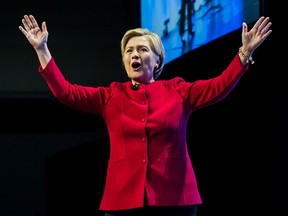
[[149, 169]]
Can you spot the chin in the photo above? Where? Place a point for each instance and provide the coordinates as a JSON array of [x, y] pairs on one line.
[[135, 75]]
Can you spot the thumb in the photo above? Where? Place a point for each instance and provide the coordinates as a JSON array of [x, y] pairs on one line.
[[244, 28]]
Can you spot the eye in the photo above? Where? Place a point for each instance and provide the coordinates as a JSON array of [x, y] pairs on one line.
[[128, 50], [144, 49]]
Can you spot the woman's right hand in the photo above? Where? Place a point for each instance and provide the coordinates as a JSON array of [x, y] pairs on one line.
[[37, 37]]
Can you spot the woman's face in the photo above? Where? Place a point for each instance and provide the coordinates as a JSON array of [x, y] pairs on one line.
[[139, 60]]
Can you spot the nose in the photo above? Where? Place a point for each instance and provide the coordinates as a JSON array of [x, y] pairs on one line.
[[135, 54]]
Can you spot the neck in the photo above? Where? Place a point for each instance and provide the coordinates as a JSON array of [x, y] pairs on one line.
[[138, 83]]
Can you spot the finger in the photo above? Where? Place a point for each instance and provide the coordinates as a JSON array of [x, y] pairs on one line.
[[28, 22], [258, 23], [33, 21], [266, 28], [23, 30], [25, 24], [244, 28], [44, 27], [263, 23], [266, 34]]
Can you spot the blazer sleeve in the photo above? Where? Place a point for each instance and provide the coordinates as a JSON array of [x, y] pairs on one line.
[[202, 93], [82, 98]]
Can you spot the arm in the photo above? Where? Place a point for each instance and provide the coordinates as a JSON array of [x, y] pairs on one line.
[[87, 99], [253, 38], [202, 93], [37, 38]]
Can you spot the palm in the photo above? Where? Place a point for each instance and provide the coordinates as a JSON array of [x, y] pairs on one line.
[[37, 37], [260, 31]]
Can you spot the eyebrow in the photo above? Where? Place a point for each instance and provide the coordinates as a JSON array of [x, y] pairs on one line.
[[138, 46]]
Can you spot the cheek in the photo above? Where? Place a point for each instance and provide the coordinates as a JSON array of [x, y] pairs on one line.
[[126, 64], [149, 63], [150, 59]]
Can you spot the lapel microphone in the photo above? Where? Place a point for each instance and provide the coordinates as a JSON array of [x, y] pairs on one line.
[[135, 86]]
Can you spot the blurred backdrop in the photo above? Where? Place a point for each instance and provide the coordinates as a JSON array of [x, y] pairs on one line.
[[53, 159]]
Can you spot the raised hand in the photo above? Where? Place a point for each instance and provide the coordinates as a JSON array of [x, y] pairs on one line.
[[253, 38], [37, 37]]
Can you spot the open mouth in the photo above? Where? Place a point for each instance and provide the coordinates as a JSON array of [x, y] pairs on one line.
[[136, 65]]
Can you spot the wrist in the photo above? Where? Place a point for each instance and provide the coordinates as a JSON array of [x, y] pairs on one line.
[[245, 56]]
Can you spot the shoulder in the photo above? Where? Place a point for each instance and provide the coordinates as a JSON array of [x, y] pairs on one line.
[[173, 82], [117, 84]]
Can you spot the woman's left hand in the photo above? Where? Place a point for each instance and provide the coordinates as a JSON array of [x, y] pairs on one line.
[[253, 38]]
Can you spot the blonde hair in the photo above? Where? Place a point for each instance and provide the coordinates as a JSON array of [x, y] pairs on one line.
[[154, 41]]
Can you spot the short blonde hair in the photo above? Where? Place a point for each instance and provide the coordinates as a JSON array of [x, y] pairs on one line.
[[154, 41]]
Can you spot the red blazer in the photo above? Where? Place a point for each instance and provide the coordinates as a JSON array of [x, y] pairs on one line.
[[147, 130]]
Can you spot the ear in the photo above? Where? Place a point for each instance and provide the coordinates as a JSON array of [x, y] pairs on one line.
[[157, 62]]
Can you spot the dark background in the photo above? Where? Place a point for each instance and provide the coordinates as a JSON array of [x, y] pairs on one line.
[[53, 159]]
